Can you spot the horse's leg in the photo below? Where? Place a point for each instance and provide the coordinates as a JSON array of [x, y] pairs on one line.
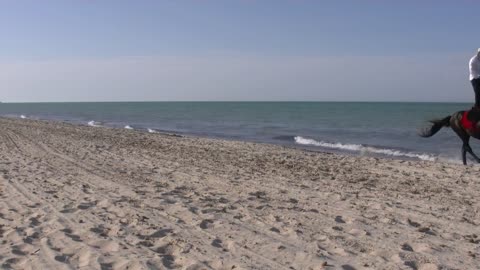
[[464, 154], [469, 150], [462, 134], [465, 146]]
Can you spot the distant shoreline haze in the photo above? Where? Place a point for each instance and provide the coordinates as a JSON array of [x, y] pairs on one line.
[[240, 78], [232, 101]]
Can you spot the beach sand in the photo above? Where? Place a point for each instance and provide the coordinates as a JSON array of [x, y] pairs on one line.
[[78, 197]]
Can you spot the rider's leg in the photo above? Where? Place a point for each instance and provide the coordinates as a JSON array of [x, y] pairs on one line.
[[476, 89], [474, 114]]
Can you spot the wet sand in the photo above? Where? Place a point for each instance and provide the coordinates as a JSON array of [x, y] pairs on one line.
[[78, 197]]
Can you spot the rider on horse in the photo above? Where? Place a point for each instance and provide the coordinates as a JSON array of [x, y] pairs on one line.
[[464, 123]]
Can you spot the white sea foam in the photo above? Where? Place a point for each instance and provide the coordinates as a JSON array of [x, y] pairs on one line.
[[363, 149], [152, 130], [23, 116], [94, 124], [128, 127]]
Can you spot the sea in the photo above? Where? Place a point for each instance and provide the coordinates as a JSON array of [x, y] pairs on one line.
[[380, 129]]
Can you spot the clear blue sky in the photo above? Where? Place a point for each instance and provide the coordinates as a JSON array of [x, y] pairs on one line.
[[237, 50]]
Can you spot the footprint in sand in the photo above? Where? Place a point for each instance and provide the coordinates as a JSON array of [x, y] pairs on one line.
[[169, 253], [206, 224], [217, 243], [15, 263], [78, 259], [273, 229], [228, 246], [415, 260], [102, 203], [407, 247], [161, 233], [22, 249], [114, 263], [417, 247], [337, 228], [146, 243], [86, 188], [413, 223], [339, 219], [344, 220], [35, 221], [72, 235], [85, 205], [472, 238], [62, 258], [32, 238], [69, 209], [151, 240], [107, 246], [106, 231], [35, 205], [357, 232]]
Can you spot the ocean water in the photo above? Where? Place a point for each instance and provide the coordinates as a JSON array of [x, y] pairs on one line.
[[360, 128]]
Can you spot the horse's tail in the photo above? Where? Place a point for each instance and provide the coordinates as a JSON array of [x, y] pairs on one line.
[[436, 126]]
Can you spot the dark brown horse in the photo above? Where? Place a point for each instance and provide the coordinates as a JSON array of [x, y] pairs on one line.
[[458, 123]]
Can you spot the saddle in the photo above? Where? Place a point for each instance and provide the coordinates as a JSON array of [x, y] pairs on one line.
[[470, 119]]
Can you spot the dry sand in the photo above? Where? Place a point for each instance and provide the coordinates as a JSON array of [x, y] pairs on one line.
[[96, 198]]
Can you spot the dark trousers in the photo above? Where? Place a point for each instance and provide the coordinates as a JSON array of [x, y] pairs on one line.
[[476, 89], [474, 114]]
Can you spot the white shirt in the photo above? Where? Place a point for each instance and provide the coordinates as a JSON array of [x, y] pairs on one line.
[[474, 67]]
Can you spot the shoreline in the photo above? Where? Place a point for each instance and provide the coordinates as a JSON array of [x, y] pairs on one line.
[[376, 151], [107, 198]]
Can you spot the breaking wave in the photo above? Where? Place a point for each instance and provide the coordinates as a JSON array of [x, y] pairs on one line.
[[23, 116], [152, 130], [94, 124], [364, 149], [128, 127]]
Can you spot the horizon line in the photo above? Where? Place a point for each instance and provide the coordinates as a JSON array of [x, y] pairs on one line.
[[233, 101]]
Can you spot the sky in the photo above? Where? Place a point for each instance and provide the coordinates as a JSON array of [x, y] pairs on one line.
[[244, 50]]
